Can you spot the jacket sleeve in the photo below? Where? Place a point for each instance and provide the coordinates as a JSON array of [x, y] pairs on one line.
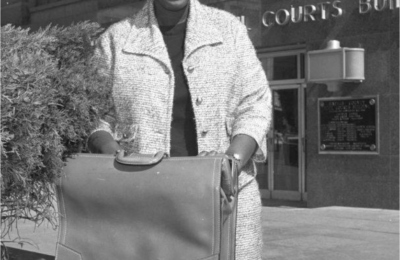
[[106, 116], [253, 113]]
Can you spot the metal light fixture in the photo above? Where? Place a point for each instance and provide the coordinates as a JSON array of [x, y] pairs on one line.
[[334, 65]]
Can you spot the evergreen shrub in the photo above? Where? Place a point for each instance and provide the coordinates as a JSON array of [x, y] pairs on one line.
[[50, 93]]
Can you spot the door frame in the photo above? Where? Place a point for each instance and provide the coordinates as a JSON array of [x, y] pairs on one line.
[[300, 85], [300, 194]]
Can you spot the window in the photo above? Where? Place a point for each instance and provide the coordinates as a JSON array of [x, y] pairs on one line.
[[283, 67]]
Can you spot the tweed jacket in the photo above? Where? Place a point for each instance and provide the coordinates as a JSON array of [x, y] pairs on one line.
[[229, 89]]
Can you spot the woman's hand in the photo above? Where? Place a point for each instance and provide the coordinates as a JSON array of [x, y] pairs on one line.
[[102, 142], [242, 149], [228, 165]]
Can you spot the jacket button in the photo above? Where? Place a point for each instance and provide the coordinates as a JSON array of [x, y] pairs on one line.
[[204, 133], [190, 69], [199, 100]]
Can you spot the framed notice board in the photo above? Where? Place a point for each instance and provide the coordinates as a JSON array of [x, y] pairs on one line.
[[348, 125]]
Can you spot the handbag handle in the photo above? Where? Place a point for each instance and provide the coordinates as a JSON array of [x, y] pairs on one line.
[[139, 159]]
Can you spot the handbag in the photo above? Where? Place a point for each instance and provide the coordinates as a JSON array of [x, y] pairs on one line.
[[147, 207]]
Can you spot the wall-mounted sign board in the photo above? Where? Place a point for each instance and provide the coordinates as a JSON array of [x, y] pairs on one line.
[[348, 125]]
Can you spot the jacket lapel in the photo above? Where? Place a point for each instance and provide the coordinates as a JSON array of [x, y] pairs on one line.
[[145, 37], [200, 29]]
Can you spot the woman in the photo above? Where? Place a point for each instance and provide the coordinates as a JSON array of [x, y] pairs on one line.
[[185, 80]]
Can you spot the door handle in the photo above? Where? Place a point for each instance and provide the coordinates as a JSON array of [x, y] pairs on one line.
[[271, 145]]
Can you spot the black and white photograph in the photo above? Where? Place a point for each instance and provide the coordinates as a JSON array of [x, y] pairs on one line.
[[200, 129]]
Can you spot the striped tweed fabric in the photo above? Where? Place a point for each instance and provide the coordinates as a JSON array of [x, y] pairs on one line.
[[229, 91]]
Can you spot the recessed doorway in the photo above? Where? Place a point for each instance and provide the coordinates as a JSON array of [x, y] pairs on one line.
[[283, 175]]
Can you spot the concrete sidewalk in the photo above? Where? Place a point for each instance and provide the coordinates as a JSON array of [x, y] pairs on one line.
[[330, 233], [292, 233]]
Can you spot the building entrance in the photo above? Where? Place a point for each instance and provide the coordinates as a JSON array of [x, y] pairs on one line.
[[283, 175]]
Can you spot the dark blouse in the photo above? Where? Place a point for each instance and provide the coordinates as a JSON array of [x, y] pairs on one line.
[[183, 129]]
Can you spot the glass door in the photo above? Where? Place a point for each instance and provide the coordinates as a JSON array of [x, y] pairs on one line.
[[283, 175], [285, 142]]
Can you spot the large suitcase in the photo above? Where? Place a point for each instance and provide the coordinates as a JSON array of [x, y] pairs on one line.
[[146, 208]]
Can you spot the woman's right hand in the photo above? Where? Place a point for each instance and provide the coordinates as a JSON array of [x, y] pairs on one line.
[[102, 142]]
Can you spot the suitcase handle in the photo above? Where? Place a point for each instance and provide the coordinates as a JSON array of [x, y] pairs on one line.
[[139, 159]]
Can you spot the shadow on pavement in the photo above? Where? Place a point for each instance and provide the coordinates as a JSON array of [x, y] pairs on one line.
[[283, 203], [20, 254]]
